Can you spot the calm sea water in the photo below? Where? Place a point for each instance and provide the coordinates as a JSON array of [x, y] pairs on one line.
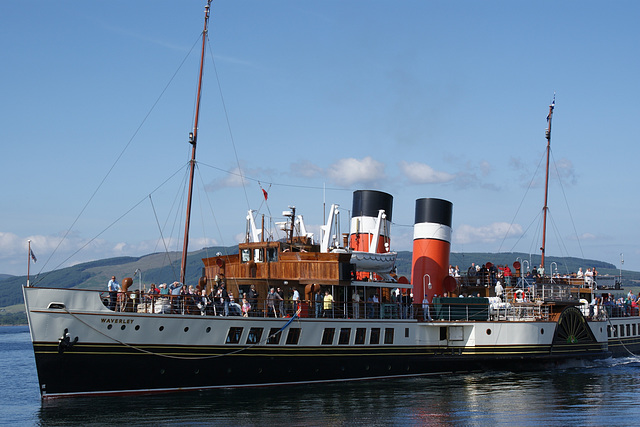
[[605, 393]]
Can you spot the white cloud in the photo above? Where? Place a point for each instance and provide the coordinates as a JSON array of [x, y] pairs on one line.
[[305, 169], [420, 173], [466, 234], [350, 171], [566, 171]]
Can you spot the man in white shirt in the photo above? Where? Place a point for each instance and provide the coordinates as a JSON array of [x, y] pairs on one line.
[[499, 290], [113, 287]]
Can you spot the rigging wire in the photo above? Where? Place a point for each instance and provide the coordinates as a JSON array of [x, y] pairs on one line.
[[107, 227], [276, 184], [166, 249], [524, 196], [104, 179], [564, 195], [226, 115]]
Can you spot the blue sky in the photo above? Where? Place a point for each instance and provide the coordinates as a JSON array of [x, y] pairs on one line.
[[312, 100]]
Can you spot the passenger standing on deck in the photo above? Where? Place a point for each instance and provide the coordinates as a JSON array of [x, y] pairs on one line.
[[253, 299], [426, 314], [319, 301], [246, 307], [376, 305], [355, 304], [280, 293], [271, 300], [328, 304], [499, 290], [114, 288], [296, 300], [225, 299], [176, 299], [588, 277], [507, 275]]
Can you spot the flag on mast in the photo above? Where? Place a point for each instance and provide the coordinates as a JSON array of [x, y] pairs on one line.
[[33, 257]]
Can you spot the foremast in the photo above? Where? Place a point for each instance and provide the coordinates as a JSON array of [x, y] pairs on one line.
[[546, 182], [193, 138]]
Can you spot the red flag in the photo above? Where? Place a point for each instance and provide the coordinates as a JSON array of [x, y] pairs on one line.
[[264, 193]]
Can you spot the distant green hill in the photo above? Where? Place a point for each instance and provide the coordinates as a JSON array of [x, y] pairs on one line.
[[162, 267], [158, 268]]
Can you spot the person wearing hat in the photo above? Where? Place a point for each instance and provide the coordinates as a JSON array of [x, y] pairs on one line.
[[114, 288]]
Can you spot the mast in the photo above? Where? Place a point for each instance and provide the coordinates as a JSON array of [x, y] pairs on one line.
[[546, 182], [193, 137]]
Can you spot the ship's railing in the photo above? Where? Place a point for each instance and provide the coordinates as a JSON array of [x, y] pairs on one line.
[[517, 310], [616, 309], [539, 292], [440, 309]]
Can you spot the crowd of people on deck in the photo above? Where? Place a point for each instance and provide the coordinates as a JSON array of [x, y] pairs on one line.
[[615, 307], [177, 298], [489, 274]]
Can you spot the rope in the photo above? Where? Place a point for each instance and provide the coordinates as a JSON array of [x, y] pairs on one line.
[[295, 316]]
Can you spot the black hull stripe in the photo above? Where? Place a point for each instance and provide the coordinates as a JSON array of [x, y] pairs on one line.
[[72, 374]]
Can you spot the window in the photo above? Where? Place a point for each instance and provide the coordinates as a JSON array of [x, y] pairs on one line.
[[272, 254], [345, 335], [388, 335], [327, 336], [406, 332], [293, 336], [360, 334], [628, 329], [634, 329], [374, 338], [234, 335], [274, 336], [246, 255], [443, 333], [257, 255], [254, 336]]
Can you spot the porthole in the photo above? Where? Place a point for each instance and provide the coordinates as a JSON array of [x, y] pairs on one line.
[[488, 331], [109, 326], [208, 329], [197, 371], [186, 328], [123, 327], [388, 367], [137, 327], [161, 371], [366, 368], [541, 331], [161, 328]]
